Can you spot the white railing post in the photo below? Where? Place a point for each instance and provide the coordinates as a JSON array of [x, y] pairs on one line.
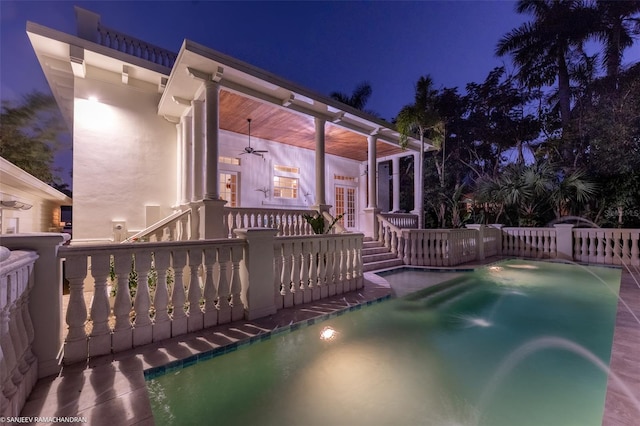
[[257, 272], [564, 241], [45, 300], [479, 234]]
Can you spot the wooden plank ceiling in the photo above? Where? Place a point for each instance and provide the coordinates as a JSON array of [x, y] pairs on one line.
[[275, 123]]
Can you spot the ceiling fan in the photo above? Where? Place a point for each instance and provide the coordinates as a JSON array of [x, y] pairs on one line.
[[249, 149]]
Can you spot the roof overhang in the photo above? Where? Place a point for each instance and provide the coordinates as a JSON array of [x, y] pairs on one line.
[[64, 57], [280, 110], [14, 177]]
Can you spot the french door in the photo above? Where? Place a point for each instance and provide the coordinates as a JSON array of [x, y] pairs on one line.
[[345, 203]]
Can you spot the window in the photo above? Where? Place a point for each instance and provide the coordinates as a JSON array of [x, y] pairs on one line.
[[345, 178], [284, 187], [229, 160], [286, 169]]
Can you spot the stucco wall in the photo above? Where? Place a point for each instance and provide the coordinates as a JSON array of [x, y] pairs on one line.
[[256, 172], [124, 156]]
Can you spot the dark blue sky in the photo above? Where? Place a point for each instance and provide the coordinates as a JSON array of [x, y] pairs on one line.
[[324, 46]]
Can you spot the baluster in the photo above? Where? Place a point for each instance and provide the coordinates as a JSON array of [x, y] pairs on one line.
[[280, 290], [142, 333], [162, 321], [339, 265], [76, 342], [305, 286], [401, 246], [194, 318], [621, 251], [210, 292], [322, 267], [599, 247], [298, 296], [358, 263], [592, 246], [329, 268], [584, 257], [609, 250], [100, 338], [635, 242], [224, 302], [545, 246], [348, 246], [314, 285], [238, 301], [288, 289], [406, 235], [179, 317]]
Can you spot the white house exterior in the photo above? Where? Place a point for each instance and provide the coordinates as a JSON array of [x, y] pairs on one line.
[[155, 133], [27, 204]]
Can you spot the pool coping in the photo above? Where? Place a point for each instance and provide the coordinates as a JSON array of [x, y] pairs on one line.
[[155, 372]]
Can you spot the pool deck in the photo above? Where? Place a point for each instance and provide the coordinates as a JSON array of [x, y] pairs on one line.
[[110, 390]]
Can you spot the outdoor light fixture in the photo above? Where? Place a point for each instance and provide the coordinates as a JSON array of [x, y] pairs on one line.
[[328, 333], [15, 205]]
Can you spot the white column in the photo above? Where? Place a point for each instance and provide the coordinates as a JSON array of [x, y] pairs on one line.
[[197, 150], [320, 163], [373, 175], [417, 188], [395, 170], [187, 163], [211, 188]]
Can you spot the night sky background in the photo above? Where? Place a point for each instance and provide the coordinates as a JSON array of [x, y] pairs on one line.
[[324, 46]]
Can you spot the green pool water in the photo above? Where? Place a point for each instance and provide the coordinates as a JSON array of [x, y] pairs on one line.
[[511, 344]]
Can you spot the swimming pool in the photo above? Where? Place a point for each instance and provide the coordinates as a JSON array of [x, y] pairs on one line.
[[513, 343]]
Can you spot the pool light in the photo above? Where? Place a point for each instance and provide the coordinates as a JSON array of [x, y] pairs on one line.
[[328, 333]]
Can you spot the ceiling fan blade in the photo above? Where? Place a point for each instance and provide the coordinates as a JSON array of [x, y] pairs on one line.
[[258, 150]]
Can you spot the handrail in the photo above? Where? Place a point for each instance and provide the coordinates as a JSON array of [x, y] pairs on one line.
[[402, 220], [338, 228], [390, 235], [160, 225], [287, 222]]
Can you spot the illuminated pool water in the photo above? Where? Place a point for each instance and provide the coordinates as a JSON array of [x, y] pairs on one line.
[[511, 344]]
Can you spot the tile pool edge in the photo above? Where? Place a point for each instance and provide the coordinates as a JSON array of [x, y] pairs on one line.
[[155, 372]]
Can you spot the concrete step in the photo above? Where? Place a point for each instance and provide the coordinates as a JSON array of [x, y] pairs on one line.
[[378, 257], [371, 244], [382, 264], [374, 250]]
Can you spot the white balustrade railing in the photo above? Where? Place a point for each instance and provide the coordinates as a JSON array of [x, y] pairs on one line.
[[157, 291], [287, 222], [462, 245], [18, 365], [125, 43], [174, 227], [607, 246], [391, 236], [529, 242], [401, 220], [312, 268]]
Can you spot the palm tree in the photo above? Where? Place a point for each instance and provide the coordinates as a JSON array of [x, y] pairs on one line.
[[419, 118], [358, 99], [619, 22], [540, 48]]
